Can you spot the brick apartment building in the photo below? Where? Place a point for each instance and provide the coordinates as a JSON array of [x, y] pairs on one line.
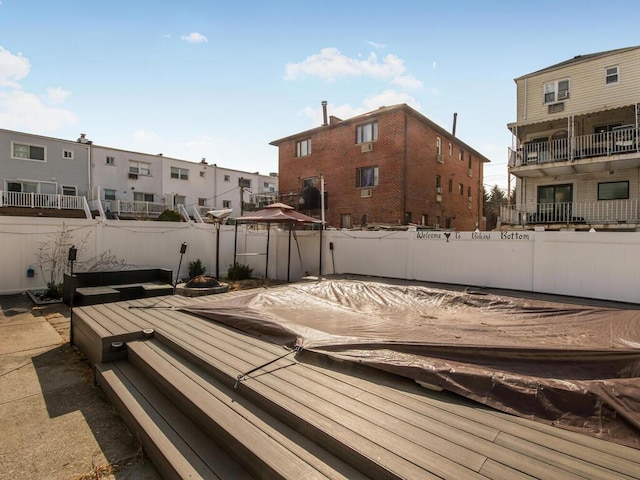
[[392, 166]]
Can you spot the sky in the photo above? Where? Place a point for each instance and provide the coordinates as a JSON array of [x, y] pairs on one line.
[[220, 80]]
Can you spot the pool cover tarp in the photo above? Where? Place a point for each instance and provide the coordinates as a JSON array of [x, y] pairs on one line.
[[575, 366]]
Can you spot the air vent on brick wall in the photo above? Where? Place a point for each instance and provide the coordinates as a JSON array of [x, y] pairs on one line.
[[366, 147]]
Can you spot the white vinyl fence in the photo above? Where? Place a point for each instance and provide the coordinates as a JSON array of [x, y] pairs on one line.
[[602, 265]]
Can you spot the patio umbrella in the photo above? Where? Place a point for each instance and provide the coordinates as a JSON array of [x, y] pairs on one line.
[[279, 213]]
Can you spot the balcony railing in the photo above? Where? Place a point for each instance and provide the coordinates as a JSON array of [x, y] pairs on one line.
[[41, 200], [620, 141], [142, 209], [598, 212]]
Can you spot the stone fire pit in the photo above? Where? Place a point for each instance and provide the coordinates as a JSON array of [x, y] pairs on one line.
[[201, 285]]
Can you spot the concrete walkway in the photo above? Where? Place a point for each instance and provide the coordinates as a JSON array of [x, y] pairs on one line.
[[55, 423]]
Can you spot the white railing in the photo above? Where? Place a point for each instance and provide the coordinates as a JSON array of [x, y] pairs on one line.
[[597, 212], [146, 209], [594, 145], [41, 200]]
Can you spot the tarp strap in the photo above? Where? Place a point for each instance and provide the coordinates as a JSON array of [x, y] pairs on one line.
[[242, 375]]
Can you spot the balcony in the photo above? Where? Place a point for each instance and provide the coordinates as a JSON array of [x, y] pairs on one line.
[[618, 148], [44, 204], [603, 213]]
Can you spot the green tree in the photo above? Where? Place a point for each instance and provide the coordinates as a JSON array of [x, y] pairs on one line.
[[492, 203]]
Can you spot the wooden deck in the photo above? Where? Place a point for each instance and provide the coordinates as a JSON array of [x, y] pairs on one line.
[[305, 416]]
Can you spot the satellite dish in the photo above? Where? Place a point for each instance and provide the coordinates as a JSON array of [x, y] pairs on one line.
[[220, 214]]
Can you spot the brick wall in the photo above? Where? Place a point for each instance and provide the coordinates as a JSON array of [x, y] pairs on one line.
[[405, 154]]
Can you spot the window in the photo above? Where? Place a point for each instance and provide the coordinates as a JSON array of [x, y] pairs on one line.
[[179, 200], [367, 177], [438, 146], [461, 189], [367, 132], [612, 75], [556, 91], [470, 164], [613, 191], [67, 154], [202, 202], [303, 148], [180, 173], [450, 149], [424, 220], [310, 182], [68, 190], [450, 186], [345, 220], [111, 161], [140, 168], [109, 194], [244, 182], [142, 197], [461, 155], [226, 204], [201, 174], [227, 178], [438, 181], [29, 152]]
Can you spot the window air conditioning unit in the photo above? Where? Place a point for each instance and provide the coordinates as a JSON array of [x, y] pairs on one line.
[[470, 199], [438, 189], [470, 172], [564, 94], [366, 147], [365, 193], [439, 158], [438, 198], [133, 176]]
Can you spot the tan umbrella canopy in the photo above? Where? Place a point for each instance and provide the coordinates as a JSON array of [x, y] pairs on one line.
[[278, 213]]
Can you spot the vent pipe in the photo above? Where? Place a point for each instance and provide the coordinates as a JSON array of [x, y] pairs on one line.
[[455, 120], [324, 113]]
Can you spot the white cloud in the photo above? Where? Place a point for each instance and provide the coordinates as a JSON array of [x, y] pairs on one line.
[[12, 68], [143, 135], [24, 111], [407, 81], [376, 45], [200, 142], [331, 65], [57, 95], [388, 98], [194, 37]]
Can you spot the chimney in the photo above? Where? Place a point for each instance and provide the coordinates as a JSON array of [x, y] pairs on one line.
[[324, 113], [455, 120]]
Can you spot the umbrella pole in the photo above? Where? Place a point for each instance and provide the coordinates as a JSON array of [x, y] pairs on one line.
[[320, 266], [289, 254], [266, 267], [235, 244]]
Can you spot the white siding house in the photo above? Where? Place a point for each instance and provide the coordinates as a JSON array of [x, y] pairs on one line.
[[43, 173], [575, 153]]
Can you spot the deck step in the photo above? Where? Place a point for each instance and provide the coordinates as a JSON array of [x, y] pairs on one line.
[[177, 447], [265, 446]]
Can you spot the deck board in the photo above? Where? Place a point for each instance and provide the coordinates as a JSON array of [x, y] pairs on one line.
[[410, 431]]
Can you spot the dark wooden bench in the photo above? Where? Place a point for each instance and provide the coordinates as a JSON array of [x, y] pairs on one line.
[[89, 288]]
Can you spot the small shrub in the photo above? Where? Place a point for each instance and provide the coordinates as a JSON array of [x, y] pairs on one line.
[[169, 216], [239, 272], [196, 268]]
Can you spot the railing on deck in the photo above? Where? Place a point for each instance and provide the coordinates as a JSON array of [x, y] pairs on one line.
[[619, 141], [41, 200], [597, 212]]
